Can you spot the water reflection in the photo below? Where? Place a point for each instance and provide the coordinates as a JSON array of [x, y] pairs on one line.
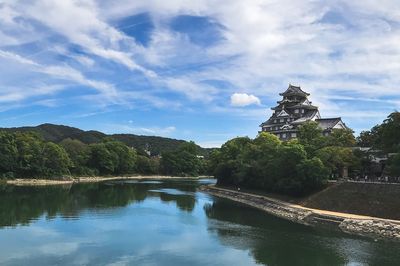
[[162, 223], [273, 241], [21, 205]]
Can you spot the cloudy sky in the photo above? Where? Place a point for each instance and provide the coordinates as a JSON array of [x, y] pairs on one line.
[[205, 70]]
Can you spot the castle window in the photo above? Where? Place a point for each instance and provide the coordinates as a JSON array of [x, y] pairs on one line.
[[282, 120], [302, 111], [284, 135], [296, 111], [294, 134]]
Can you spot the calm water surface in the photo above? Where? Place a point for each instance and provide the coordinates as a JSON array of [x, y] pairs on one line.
[[163, 223]]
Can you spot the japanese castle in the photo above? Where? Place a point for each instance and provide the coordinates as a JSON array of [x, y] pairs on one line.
[[295, 109]]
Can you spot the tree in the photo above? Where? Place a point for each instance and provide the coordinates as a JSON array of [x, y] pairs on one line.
[[389, 133], [312, 174], [384, 136], [368, 138], [182, 162], [8, 155], [310, 136], [147, 165], [79, 153], [29, 161], [394, 165], [102, 159], [336, 158], [341, 137], [55, 160], [124, 158]]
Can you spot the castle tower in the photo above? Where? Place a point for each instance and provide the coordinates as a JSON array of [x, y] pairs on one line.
[[293, 110]]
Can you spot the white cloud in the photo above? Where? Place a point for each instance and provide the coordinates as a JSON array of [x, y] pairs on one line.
[[123, 128], [244, 99], [331, 48]]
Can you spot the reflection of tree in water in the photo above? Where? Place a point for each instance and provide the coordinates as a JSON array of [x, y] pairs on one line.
[[20, 205], [274, 241], [183, 202]]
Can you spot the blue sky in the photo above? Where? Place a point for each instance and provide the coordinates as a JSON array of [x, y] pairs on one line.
[[197, 70]]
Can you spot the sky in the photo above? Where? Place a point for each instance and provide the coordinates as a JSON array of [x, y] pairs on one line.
[[201, 70]]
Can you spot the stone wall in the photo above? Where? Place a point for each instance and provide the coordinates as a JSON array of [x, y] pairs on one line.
[[363, 226]]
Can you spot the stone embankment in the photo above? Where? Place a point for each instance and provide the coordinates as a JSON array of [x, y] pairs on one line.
[[70, 181], [352, 224]]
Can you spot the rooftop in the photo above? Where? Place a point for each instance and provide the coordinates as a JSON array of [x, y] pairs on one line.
[[294, 90]]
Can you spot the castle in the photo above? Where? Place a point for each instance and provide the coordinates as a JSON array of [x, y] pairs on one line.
[[295, 109]]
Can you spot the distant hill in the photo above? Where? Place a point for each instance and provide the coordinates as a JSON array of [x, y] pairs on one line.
[[57, 133]]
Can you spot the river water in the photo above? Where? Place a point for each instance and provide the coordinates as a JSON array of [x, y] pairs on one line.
[[163, 223]]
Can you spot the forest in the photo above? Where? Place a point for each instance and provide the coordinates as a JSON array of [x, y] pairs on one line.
[[28, 155]]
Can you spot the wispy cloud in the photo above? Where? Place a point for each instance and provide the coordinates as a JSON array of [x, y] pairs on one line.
[[347, 54]]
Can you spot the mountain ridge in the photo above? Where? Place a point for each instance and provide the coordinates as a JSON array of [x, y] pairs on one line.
[[56, 133]]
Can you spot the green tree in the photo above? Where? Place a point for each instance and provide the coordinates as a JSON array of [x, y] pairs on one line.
[[336, 158], [147, 166], [341, 137], [8, 155], [394, 165], [312, 175], [102, 159], [123, 157], [389, 133], [79, 153], [310, 136], [55, 160], [182, 162]]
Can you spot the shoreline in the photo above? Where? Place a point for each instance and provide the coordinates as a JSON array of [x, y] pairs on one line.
[[360, 225], [96, 179]]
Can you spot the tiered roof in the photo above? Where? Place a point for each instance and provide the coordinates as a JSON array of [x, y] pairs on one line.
[[295, 109], [294, 90]]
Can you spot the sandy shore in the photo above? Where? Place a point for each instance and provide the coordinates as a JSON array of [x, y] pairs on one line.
[[46, 182]]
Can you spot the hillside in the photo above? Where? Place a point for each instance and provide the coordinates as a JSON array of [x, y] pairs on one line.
[[378, 200], [57, 133]]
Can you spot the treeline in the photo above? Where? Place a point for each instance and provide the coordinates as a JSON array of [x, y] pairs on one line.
[[57, 133], [295, 167], [385, 139], [27, 155]]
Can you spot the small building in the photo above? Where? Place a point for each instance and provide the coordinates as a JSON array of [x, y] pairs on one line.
[[294, 110]]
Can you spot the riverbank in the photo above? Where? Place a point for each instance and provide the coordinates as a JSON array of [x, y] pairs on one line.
[[367, 226], [48, 182]]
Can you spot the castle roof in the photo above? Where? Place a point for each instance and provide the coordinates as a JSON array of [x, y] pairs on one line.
[[294, 90], [307, 117], [329, 123]]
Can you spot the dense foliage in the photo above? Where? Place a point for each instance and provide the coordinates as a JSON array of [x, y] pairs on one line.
[[184, 161], [383, 139], [27, 155], [385, 136], [295, 167], [57, 133]]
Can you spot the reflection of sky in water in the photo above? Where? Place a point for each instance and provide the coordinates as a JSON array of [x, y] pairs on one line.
[[156, 231], [145, 233], [135, 182], [171, 191]]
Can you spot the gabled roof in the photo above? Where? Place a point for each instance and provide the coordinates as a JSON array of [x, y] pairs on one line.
[[294, 90], [329, 123], [307, 117], [282, 113]]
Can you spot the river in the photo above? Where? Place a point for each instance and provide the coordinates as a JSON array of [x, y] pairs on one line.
[[163, 223]]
